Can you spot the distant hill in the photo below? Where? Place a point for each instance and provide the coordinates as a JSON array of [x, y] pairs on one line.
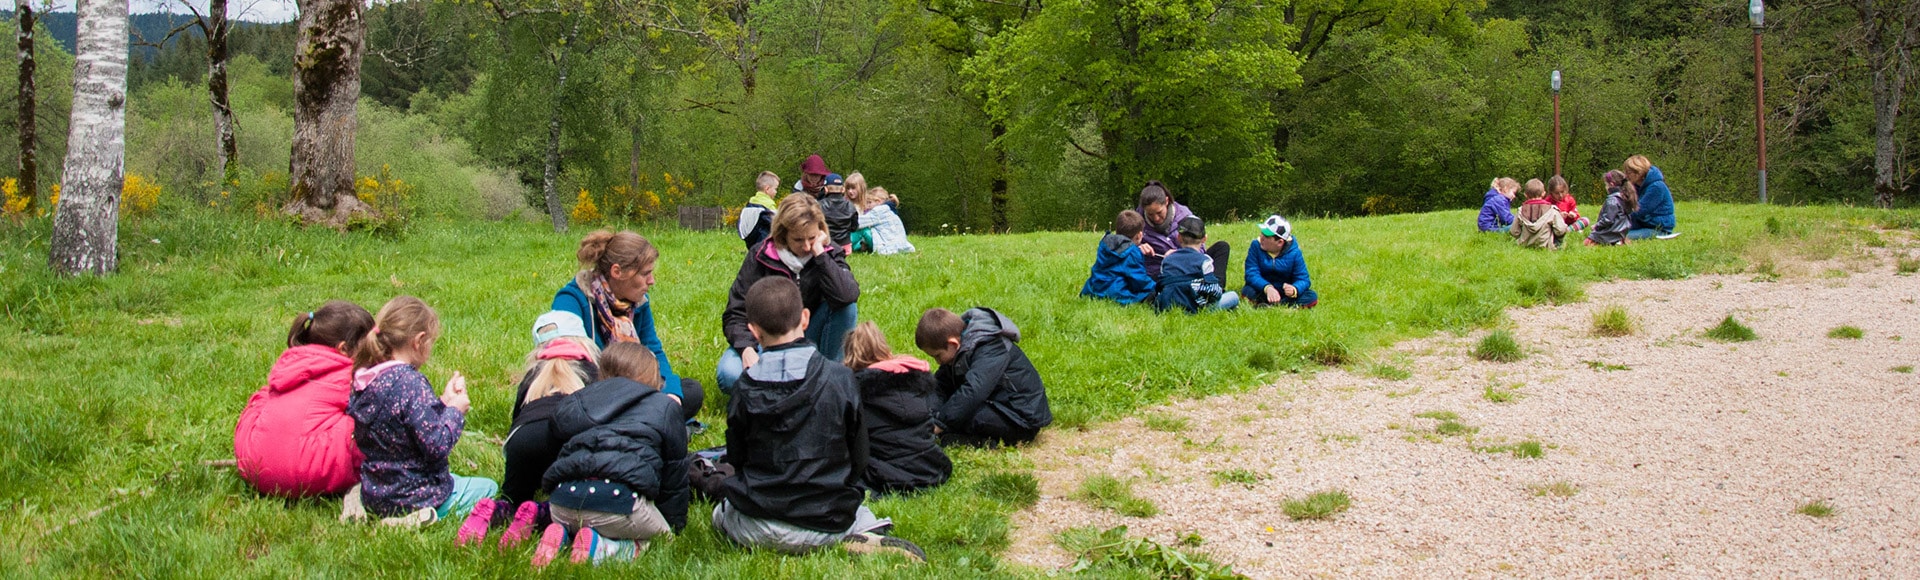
[[153, 27]]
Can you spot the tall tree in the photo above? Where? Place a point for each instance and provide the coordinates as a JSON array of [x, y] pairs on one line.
[[1892, 34], [326, 88], [214, 25], [25, 99], [971, 25], [86, 223]]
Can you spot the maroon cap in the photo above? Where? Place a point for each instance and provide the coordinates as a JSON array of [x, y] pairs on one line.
[[814, 165]]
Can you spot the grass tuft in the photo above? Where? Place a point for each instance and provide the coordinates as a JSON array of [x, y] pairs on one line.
[[1319, 506], [1389, 372], [1111, 551], [1020, 490], [1555, 489], [1328, 352], [1817, 508], [1907, 369], [1165, 423], [1846, 332], [1528, 450], [1241, 477], [1263, 360], [1731, 330], [1495, 394], [1439, 415], [1906, 265], [1116, 495], [1613, 321], [1498, 346]]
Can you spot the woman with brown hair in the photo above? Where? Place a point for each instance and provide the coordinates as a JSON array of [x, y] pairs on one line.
[[609, 294]]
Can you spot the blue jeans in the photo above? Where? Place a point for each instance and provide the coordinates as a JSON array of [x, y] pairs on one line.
[[466, 492], [1644, 233], [827, 330], [1227, 301]]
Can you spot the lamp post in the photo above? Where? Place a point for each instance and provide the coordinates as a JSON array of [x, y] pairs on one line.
[[1757, 13], [1556, 122]]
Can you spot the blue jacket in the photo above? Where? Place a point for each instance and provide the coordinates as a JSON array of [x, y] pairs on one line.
[[1496, 212], [1656, 202], [1188, 281], [571, 298], [1290, 267], [1119, 272]]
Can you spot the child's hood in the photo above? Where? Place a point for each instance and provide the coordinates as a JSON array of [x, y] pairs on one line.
[[784, 389], [760, 198], [1494, 194], [1116, 243], [303, 364], [600, 403], [982, 323], [902, 364]]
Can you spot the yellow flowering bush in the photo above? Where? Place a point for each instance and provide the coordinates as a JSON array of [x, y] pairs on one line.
[[391, 199], [584, 211], [11, 202], [138, 195]]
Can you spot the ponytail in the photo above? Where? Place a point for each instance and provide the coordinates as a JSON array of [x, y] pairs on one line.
[[602, 250], [401, 319], [333, 323]]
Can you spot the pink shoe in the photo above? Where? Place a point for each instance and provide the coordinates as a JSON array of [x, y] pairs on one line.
[[474, 530], [583, 544], [550, 543], [522, 526]]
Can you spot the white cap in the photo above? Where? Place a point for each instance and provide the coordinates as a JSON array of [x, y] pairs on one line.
[[1278, 227], [556, 324]]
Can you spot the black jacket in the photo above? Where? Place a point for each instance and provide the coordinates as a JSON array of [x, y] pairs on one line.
[[990, 371], [625, 432], [825, 279], [898, 410], [530, 449], [795, 440], [842, 218]]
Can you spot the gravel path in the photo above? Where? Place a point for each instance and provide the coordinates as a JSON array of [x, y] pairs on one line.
[[1690, 456]]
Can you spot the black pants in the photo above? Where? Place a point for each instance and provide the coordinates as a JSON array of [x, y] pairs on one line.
[[692, 396], [989, 428], [1219, 251]]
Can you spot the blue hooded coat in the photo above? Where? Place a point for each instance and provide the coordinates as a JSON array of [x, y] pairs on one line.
[[1290, 267], [1656, 203], [1188, 281], [1119, 272], [1495, 212]]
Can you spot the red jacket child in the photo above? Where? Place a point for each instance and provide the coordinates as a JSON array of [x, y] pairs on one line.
[[295, 437], [1568, 209]]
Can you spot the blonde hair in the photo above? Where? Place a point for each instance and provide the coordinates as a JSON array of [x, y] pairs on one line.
[[857, 185], [557, 376], [876, 196], [399, 321], [795, 212], [1506, 185], [866, 346], [1636, 167], [1536, 189], [631, 360], [767, 180]]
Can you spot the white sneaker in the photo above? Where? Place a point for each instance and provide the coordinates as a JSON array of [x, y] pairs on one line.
[[1667, 236]]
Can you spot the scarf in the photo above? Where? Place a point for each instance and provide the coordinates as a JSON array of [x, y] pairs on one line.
[[610, 312], [794, 263]]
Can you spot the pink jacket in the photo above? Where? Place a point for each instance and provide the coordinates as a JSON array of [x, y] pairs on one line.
[[295, 438]]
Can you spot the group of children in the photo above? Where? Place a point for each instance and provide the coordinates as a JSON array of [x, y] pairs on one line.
[[859, 218], [1158, 252], [1638, 206], [821, 411]]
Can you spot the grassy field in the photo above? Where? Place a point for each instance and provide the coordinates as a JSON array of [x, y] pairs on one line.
[[119, 388]]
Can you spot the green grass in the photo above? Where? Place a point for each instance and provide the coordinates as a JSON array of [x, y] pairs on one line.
[[1528, 450], [1907, 369], [1241, 477], [1328, 352], [1381, 370], [1497, 394], [1604, 366], [130, 382], [1613, 321], [1817, 508], [1498, 346], [1730, 330], [1906, 265], [1318, 506], [1846, 332], [1020, 490], [1110, 553], [1555, 489], [1166, 423], [1115, 495]]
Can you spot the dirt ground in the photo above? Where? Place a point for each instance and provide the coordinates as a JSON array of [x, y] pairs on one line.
[[1690, 456]]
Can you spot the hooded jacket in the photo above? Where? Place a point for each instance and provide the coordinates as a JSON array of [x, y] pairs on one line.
[[572, 298], [1119, 272], [889, 233], [1542, 231], [1290, 267], [796, 440], [756, 218], [1613, 223], [627, 433], [406, 434], [1162, 238], [896, 398], [1188, 281], [990, 371], [295, 438], [1496, 211], [826, 278], [1656, 202], [842, 218], [532, 445]]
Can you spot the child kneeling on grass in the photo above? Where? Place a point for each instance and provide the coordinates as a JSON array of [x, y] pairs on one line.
[[404, 431], [895, 405], [1188, 278], [1538, 224], [989, 393], [621, 480], [797, 443], [295, 438], [1276, 270], [1119, 267]]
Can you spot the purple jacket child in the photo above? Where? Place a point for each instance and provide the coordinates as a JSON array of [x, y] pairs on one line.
[[406, 434], [1496, 212], [1162, 237]]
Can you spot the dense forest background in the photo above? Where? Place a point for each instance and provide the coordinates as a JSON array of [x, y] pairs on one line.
[[1018, 115]]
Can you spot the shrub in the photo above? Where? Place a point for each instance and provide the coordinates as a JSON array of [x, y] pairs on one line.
[[1116, 495], [12, 203], [1731, 330], [392, 201], [1319, 506], [584, 211], [1613, 321], [1846, 332], [138, 195], [1498, 346]]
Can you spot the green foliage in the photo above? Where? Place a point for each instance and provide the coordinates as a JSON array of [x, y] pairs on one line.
[[1528, 450], [1495, 394], [1317, 506], [1907, 369], [1730, 330], [1555, 489], [1104, 553], [1498, 346], [1846, 332], [1906, 265], [1115, 495], [1552, 289], [1613, 321], [1329, 352]]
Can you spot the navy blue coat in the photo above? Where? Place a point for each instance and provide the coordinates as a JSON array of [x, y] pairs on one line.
[[1656, 202], [1188, 281], [1119, 272], [1290, 267]]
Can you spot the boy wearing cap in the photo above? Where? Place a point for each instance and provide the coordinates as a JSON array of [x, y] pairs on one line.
[[842, 216], [1188, 278], [1276, 271]]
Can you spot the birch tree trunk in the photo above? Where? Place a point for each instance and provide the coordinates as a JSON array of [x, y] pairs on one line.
[[223, 121], [551, 174], [86, 222], [27, 100], [326, 86]]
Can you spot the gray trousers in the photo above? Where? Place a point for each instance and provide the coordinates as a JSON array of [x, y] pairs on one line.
[[644, 523], [784, 537]]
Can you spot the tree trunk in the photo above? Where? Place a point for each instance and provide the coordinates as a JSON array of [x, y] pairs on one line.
[[997, 193], [223, 121], [326, 86], [633, 157], [27, 101], [551, 171], [86, 222]]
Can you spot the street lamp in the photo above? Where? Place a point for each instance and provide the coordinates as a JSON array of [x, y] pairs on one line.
[[1757, 14], [1556, 122]]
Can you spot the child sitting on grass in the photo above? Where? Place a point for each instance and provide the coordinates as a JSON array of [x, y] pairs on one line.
[[561, 363], [989, 393], [881, 230], [1119, 266], [1276, 270], [295, 438], [796, 441], [842, 215], [621, 479], [1621, 202], [756, 218], [895, 392], [1188, 279], [1496, 213], [1562, 198], [404, 431], [1538, 224]]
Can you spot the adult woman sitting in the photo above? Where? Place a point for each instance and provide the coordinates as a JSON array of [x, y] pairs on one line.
[[1654, 219], [610, 297]]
